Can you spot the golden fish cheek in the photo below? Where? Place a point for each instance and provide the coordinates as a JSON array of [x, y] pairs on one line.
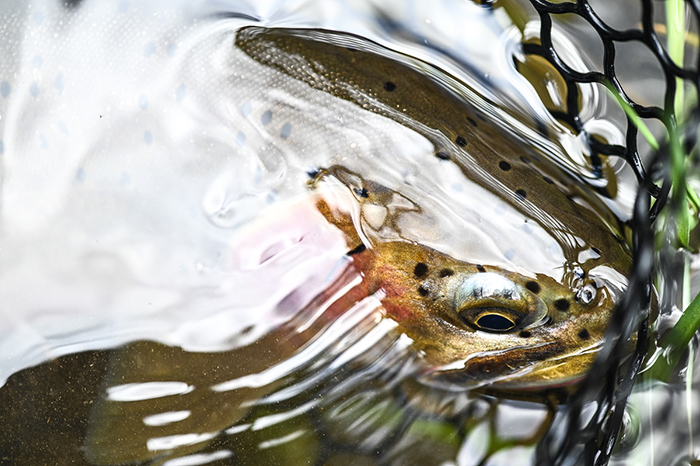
[[493, 303]]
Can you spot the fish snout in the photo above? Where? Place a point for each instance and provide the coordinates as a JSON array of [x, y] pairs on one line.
[[494, 303]]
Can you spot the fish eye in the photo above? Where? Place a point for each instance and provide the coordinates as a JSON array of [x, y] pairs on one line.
[[495, 323], [495, 320], [494, 303], [587, 294]]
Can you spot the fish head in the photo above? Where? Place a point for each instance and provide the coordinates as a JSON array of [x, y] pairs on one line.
[[477, 325]]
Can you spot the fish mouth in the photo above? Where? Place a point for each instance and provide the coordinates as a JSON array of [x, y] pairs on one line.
[[493, 303], [526, 367], [516, 381]]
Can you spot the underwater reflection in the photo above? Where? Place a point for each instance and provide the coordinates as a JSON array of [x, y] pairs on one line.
[[75, 415]]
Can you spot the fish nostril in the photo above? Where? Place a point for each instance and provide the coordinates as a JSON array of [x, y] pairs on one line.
[[587, 294]]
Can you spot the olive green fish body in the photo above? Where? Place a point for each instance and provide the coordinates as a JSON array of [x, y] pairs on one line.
[[423, 98], [474, 322], [477, 324]]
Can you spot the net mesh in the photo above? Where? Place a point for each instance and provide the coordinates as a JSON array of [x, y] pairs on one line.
[[571, 440]]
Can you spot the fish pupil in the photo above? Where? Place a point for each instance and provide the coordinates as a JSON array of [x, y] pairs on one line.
[[495, 323]]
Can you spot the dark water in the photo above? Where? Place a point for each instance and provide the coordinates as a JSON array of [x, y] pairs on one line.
[[349, 419]]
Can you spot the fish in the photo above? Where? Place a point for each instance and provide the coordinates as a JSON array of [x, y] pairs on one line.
[[485, 322], [477, 324], [475, 317]]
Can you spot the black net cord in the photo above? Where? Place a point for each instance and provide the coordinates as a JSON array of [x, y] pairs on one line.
[[568, 441], [599, 435], [609, 36]]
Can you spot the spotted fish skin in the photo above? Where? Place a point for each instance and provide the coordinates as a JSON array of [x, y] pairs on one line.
[[425, 99], [552, 345], [470, 330], [550, 336]]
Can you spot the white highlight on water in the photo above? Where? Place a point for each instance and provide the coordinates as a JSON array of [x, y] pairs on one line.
[[200, 458], [279, 441], [162, 419], [147, 390], [340, 326], [175, 441], [273, 419]]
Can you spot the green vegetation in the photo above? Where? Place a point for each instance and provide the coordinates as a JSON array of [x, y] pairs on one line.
[[680, 217]]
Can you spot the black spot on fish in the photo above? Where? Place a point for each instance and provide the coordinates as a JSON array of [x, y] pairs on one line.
[[461, 141], [533, 286], [423, 291], [247, 330], [525, 334], [286, 130], [420, 270], [70, 4], [521, 193], [548, 179], [584, 335], [442, 155], [472, 122], [357, 250], [570, 197], [389, 86], [480, 268], [596, 250], [446, 273], [361, 192], [503, 165], [313, 173], [350, 49], [525, 159], [562, 304]]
